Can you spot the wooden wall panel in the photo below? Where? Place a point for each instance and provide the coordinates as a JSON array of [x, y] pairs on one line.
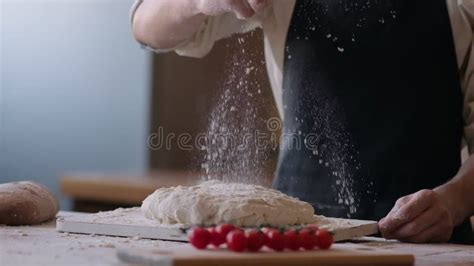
[[185, 90]]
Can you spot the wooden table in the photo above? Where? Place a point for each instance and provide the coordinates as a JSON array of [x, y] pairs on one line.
[[42, 245], [92, 192]]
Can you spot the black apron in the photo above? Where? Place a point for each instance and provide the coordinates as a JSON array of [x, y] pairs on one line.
[[372, 104]]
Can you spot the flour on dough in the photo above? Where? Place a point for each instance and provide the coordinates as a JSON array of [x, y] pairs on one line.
[[215, 202]]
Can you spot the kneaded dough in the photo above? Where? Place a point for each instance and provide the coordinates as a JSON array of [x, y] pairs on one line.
[[215, 202]]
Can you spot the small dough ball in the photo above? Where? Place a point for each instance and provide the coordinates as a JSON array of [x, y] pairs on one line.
[[26, 203]]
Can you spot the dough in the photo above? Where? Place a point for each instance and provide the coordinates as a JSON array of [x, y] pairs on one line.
[[214, 202], [26, 203]]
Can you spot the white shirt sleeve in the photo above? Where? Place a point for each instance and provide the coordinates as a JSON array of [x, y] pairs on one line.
[[462, 21], [212, 30]]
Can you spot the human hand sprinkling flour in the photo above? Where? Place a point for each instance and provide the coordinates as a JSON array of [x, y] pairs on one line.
[[165, 24]]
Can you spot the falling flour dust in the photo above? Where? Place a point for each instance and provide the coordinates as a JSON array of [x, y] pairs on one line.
[[231, 153]]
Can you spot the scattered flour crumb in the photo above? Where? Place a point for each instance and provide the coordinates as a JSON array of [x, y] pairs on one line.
[[108, 245]]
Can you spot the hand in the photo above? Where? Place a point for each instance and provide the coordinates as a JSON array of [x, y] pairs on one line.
[[420, 217], [242, 8]]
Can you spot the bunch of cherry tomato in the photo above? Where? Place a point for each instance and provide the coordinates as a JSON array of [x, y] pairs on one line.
[[253, 240]]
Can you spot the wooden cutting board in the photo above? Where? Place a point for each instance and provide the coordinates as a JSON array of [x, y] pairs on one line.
[[339, 254], [130, 222]]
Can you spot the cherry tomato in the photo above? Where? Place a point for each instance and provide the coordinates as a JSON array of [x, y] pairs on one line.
[[312, 227], [224, 228], [324, 239], [236, 240], [308, 239], [275, 240], [219, 233], [199, 237], [292, 240], [216, 239], [255, 240]]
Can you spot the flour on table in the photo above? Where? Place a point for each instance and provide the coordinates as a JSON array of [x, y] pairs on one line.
[[332, 224], [215, 202]]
